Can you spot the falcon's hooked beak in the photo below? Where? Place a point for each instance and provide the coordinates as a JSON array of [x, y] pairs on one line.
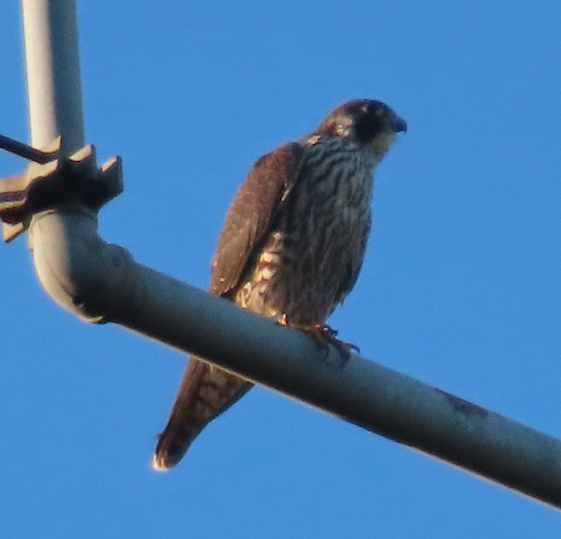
[[400, 125]]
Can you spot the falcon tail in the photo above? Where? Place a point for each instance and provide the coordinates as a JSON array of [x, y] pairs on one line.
[[205, 392]]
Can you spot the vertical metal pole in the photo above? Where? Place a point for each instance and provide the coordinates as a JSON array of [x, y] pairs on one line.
[[53, 72], [50, 30]]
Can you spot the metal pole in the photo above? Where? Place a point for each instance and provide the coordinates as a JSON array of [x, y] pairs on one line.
[[101, 282], [50, 30], [54, 89], [359, 390]]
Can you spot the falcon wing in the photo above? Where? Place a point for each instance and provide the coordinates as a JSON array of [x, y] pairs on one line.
[[253, 209], [207, 391]]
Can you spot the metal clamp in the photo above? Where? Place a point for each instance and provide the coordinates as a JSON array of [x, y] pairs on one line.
[[52, 180]]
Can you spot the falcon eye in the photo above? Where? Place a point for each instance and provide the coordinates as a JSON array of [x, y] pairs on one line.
[[370, 123], [371, 109]]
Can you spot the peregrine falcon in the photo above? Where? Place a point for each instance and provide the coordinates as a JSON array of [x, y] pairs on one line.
[[291, 248]]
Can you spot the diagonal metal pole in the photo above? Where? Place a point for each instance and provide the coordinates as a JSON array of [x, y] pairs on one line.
[[25, 151], [102, 283]]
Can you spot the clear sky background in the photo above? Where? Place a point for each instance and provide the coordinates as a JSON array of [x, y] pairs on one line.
[[461, 287]]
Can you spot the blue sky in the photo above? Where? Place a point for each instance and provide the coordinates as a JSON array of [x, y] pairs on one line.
[[461, 287]]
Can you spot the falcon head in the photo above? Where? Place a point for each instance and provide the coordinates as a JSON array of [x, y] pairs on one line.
[[368, 122]]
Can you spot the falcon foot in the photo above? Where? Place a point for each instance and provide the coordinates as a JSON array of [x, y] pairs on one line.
[[324, 335]]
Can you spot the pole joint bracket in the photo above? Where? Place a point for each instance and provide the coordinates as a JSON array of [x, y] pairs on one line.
[[53, 180]]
